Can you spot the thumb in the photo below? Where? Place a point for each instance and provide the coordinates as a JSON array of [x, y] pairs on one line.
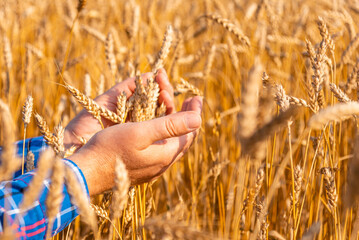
[[173, 125]]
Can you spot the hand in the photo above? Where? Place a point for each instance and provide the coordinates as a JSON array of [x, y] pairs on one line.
[[147, 148], [85, 125]]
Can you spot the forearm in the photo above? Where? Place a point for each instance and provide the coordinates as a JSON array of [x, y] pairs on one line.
[[32, 222]]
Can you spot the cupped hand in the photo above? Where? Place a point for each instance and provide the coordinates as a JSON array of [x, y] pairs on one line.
[[146, 148], [85, 125]]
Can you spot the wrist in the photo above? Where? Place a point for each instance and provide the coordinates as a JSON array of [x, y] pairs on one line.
[[98, 175]]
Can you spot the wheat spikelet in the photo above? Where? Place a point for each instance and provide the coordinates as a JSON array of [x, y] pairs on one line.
[[325, 35], [120, 191], [101, 85], [348, 52], [55, 196], [260, 204], [249, 101], [79, 198], [28, 66], [194, 58], [121, 106], [297, 101], [161, 110], [339, 94], [58, 138], [165, 49], [138, 101], [351, 83], [30, 164], [27, 110], [329, 182], [253, 192], [37, 52], [232, 28], [110, 55], [9, 162], [81, 5], [285, 40], [167, 229], [95, 33], [298, 181], [100, 211], [44, 129], [130, 206], [44, 165], [281, 97], [352, 193], [153, 91], [7, 53], [252, 143], [135, 20], [337, 112], [209, 61], [317, 61], [186, 87], [313, 105], [87, 85], [92, 107], [232, 53]]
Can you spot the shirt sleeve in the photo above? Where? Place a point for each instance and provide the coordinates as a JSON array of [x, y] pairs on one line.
[[32, 223]]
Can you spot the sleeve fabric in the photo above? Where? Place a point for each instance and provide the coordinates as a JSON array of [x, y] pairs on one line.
[[32, 222]]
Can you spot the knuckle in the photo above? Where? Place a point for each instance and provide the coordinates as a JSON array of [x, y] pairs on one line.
[[170, 127]]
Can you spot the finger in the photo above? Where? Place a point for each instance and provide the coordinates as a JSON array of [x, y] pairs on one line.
[[163, 81], [173, 125], [170, 150], [195, 104], [168, 101], [185, 104]]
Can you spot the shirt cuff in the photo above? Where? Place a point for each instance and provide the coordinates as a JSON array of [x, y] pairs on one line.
[[79, 175]]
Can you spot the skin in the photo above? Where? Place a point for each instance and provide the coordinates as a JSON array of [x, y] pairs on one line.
[[147, 148]]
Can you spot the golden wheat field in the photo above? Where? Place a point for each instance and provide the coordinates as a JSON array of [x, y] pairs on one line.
[[277, 155]]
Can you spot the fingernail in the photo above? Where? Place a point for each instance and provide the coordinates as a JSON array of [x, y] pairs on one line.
[[193, 121]]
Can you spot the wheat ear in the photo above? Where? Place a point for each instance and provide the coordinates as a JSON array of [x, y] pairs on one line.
[[337, 112], [55, 196], [339, 94], [43, 167], [232, 28], [9, 162], [26, 118], [165, 49], [79, 198]]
